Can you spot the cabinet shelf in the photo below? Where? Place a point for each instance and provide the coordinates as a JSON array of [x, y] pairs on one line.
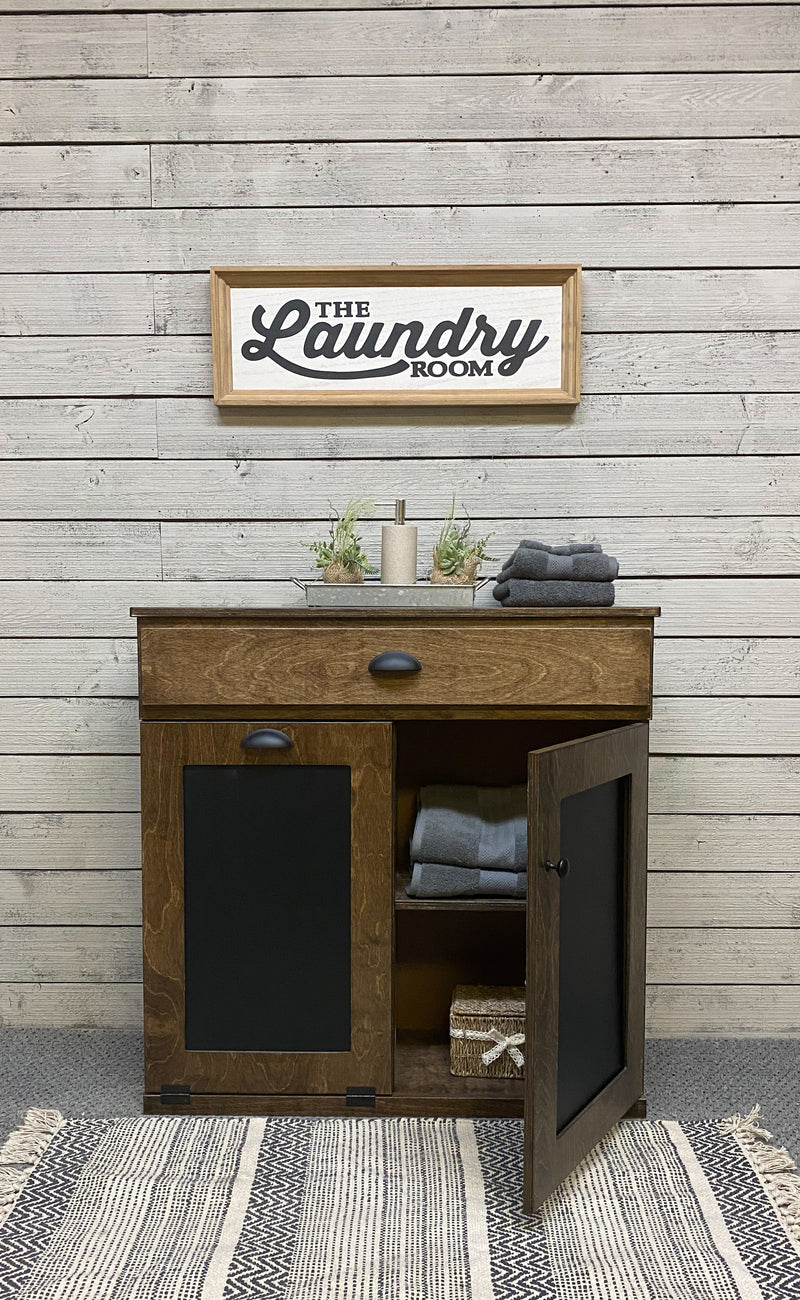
[[422, 1069], [403, 903]]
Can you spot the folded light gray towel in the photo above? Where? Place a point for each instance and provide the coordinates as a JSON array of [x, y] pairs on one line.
[[518, 592], [539, 566], [472, 826], [441, 880], [569, 548]]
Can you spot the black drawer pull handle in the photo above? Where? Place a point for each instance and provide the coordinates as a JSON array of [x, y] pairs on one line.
[[267, 738], [561, 867], [394, 661]]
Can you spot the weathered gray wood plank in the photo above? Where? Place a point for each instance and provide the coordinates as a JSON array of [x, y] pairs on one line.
[[724, 785], [315, 43], [68, 726], [114, 365], [80, 550], [197, 6], [112, 954], [612, 300], [508, 172], [78, 45], [673, 1011], [196, 429], [76, 666], [688, 362], [37, 783], [85, 609], [681, 725], [76, 304], [64, 841], [699, 901], [178, 239], [99, 841], [723, 843], [75, 176], [727, 666], [83, 954], [703, 607], [688, 725], [115, 427], [90, 783], [713, 899], [79, 898], [573, 489], [74, 1006], [725, 956], [717, 606], [107, 364], [723, 1011], [644, 547], [615, 424], [441, 108]]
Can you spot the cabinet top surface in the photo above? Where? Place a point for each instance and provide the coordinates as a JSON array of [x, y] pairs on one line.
[[484, 615]]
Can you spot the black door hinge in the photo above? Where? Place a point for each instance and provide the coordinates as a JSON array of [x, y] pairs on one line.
[[176, 1094], [360, 1096]]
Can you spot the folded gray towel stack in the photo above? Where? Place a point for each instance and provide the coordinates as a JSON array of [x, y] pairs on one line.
[[439, 880], [578, 573], [543, 566], [569, 548], [470, 840], [517, 592], [472, 826]]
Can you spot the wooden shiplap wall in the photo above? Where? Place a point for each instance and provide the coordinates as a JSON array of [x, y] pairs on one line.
[[143, 141]]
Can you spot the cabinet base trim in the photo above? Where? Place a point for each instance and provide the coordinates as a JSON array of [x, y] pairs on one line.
[[425, 1107]]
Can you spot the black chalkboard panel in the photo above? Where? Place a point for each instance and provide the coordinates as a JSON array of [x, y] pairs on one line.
[[267, 908], [591, 946]]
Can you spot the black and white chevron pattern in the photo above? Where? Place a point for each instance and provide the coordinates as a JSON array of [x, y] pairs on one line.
[[762, 1242], [316, 1209]]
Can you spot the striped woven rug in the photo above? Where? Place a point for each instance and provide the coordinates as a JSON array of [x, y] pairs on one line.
[[163, 1208]]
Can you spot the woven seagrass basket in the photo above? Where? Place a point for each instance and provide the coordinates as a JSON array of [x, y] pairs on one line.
[[482, 1018]]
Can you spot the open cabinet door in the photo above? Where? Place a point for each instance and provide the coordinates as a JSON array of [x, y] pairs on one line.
[[587, 863]]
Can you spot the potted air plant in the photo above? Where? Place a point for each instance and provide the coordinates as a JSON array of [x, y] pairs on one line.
[[340, 556], [456, 556]]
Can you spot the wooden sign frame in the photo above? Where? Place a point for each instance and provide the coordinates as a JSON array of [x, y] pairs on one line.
[[366, 278]]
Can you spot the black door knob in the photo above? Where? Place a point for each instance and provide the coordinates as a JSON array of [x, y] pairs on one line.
[[267, 738], [394, 661], [561, 867]]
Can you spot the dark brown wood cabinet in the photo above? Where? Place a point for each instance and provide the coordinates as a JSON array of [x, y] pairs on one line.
[[285, 968]]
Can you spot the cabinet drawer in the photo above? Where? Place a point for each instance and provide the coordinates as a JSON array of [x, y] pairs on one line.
[[461, 665]]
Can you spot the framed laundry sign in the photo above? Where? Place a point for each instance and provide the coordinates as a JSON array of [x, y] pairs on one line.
[[395, 335]]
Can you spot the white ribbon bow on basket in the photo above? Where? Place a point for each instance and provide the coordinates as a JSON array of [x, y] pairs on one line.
[[502, 1043]]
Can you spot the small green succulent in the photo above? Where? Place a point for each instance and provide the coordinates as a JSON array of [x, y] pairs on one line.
[[455, 548], [344, 546]]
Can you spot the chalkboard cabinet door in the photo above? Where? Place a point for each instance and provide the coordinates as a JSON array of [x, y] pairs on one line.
[[587, 838], [267, 906]]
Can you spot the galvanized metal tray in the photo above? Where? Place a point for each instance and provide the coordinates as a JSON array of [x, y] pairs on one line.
[[379, 595]]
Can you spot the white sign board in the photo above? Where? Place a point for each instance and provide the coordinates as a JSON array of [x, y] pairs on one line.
[[281, 339]]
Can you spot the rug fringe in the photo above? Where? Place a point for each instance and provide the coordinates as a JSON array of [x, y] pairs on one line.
[[774, 1165], [22, 1151]]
